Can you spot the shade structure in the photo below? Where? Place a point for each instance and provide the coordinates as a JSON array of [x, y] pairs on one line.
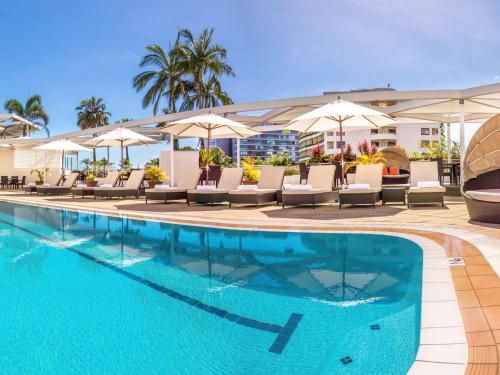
[[341, 115], [59, 145], [121, 137], [396, 157], [208, 126], [483, 152]]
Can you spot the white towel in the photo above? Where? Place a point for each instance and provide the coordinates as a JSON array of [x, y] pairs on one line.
[[428, 184], [206, 187], [31, 184], [297, 187], [81, 185], [106, 186], [358, 186], [162, 187], [46, 184], [247, 187]]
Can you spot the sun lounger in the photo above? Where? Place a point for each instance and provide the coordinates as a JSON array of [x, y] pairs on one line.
[[367, 186], [229, 180], [166, 193], [131, 188], [270, 181], [52, 181], [319, 188], [425, 185], [109, 181], [65, 188]]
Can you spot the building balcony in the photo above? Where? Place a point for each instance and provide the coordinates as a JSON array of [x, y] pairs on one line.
[[384, 137]]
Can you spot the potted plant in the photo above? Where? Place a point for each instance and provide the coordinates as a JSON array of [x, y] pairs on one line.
[[40, 175], [90, 180], [154, 175], [251, 174]]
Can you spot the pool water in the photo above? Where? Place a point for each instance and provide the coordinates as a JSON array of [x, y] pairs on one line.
[[92, 294]]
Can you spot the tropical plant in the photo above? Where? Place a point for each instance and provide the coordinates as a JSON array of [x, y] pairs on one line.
[[279, 160], [349, 155], [365, 148], [153, 162], [86, 163], [155, 174], [219, 157], [166, 79], [250, 174], [376, 158], [433, 150], [40, 173], [318, 155], [33, 111], [92, 114], [126, 165], [187, 148]]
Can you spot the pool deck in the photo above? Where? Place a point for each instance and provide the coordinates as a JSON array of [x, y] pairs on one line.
[[476, 283]]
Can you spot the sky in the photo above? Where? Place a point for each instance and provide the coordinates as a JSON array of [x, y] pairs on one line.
[[70, 50]]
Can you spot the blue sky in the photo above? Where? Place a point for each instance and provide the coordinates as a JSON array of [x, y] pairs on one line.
[[70, 50]]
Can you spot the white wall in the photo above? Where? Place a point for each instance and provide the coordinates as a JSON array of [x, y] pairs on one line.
[[184, 162], [21, 162]]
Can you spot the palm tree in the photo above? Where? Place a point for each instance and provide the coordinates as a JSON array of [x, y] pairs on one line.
[[202, 59], [213, 96], [92, 114], [166, 80], [33, 111]]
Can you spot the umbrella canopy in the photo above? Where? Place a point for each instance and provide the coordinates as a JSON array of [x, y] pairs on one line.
[[59, 145], [340, 114], [208, 126], [121, 137]]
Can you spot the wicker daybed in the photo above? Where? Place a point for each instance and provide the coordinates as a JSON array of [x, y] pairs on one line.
[[481, 189], [395, 157]]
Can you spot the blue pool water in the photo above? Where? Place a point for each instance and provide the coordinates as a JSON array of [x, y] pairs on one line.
[[90, 294]]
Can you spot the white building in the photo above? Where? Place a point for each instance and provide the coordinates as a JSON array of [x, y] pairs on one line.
[[411, 136]]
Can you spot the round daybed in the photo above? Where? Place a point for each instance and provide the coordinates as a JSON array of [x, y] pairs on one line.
[[481, 189], [396, 158]]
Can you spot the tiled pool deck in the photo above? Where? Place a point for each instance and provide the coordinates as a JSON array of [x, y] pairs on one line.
[[442, 233]]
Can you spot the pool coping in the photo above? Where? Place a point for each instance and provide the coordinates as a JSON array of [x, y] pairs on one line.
[[443, 342]]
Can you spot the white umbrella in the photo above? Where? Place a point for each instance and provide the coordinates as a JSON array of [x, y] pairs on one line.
[[207, 126], [59, 145], [121, 137], [340, 115]]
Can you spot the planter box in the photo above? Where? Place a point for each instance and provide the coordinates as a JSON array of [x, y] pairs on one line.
[[91, 183]]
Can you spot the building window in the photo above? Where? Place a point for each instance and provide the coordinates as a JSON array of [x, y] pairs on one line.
[[376, 144], [424, 131], [330, 134], [339, 145], [390, 143], [425, 143], [343, 134], [435, 131], [392, 130], [374, 131], [330, 145]]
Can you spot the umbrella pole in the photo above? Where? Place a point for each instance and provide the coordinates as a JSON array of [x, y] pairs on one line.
[[108, 159], [44, 166], [341, 155], [121, 154], [172, 164], [208, 156], [62, 161]]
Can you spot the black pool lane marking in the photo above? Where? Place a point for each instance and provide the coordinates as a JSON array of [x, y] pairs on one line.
[[283, 332]]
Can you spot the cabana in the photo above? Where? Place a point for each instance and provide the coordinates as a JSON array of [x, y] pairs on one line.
[[481, 189], [396, 158]]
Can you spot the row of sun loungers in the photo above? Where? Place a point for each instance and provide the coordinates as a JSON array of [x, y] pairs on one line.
[[366, 188]]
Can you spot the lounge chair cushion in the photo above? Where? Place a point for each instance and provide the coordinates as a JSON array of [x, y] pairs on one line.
[[486, 195], [359, 191], [120, 188], [297, 187], [423, 171], [414, 189], [310, 191], [370, 174], [321, 176], [252, 192], [271, 177]]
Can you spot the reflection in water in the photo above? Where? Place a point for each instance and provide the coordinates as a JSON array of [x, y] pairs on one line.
[[324, 267]]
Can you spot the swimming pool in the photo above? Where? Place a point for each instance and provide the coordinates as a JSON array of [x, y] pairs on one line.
[[86, 293]]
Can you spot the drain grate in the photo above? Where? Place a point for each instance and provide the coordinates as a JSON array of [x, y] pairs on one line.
[[456, 261], [346, 360]]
